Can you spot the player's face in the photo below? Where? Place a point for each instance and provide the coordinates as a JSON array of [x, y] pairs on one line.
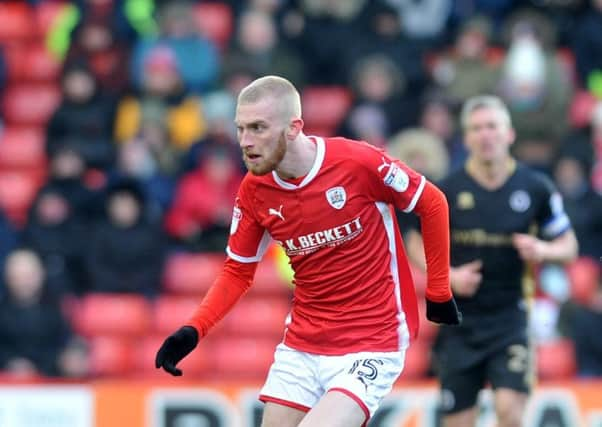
[[261, 136], [488, 135]]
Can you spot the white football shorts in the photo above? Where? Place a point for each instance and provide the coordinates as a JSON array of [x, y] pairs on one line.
[[299, 380]]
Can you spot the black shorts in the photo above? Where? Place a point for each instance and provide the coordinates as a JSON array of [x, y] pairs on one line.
[[465, 367]]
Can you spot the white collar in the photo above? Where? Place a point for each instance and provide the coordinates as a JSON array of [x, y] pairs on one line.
[[320, 152]]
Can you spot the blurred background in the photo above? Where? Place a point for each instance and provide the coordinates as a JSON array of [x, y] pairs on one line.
[[119, 163]]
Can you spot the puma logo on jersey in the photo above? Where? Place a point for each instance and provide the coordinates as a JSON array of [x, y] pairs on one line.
[[278, 213]]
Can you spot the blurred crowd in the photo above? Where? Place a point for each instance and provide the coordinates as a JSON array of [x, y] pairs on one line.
[[139, 161]]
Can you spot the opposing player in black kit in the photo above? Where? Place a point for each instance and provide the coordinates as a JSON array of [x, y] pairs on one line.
[[504, 217]]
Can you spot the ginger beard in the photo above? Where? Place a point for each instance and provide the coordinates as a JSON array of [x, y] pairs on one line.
[[259, 164]]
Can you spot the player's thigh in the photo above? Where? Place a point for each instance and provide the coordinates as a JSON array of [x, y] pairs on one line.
[[275, 415], [461, 372], [293, 380], [512, 367], [335, 409], [366, 378]]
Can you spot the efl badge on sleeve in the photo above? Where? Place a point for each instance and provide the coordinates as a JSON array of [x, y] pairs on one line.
[[395, 177], [236, 216], [337, 197]]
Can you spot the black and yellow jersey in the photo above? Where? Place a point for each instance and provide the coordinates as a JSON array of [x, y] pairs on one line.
[[482, 223]]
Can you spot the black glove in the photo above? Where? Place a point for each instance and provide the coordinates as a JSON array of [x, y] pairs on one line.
[[443, 312], [175, 348]]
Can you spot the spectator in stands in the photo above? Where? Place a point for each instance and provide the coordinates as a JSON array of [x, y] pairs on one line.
[[219, 109], [467, 69], [583, 316], [583, 205], [422, 150], [496, 10], [94, 41], [101, 33], [69, 176], [196, 57], [127, 250], [58, 221], [35, 336], [318, 29], [58, 235], [84, 119], [423, 21], [150, 160], [437, 116], [200, 216], [383, 34], [380, 88], [8, 240], [162, 98], [535, 86], [257, 45], [127, 19], [587, 47]]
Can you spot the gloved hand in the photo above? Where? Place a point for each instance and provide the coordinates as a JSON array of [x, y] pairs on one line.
[[443, 312], [175, 348]]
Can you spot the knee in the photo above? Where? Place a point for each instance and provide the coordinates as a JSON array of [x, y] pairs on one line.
[[509, 415]]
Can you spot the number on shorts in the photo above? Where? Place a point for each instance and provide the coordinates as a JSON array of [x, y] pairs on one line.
[[370, 372], [519, 358]]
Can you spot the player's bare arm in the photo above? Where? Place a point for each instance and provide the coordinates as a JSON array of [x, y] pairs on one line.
[[562, 249]]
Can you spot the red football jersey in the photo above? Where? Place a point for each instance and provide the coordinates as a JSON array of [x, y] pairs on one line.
[[353, 288]]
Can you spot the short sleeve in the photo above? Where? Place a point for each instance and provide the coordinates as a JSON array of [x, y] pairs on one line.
[[391, 180], [248, 239]]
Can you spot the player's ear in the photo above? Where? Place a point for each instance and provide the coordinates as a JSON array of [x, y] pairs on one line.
[[294, 128]]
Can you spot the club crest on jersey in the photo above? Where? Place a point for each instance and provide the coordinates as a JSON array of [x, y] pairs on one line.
[[520, 201], [236, 216], [337, 197], [465, 200]]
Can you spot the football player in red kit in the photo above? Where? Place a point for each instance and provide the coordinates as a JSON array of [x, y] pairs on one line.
[[329, 202]]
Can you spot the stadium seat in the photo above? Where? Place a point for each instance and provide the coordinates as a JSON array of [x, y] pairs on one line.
[[581, 107], [45, 14], [126, 315], [30, 104], [196, 364], [170, 312], [324, 107], [584, 276], [17, 191], [15, 21], [40, 65], [22, 148], [110, 356], [31, 62], [191, 274], [257, 317], [236, 359], [215, 22], [556, 360]]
